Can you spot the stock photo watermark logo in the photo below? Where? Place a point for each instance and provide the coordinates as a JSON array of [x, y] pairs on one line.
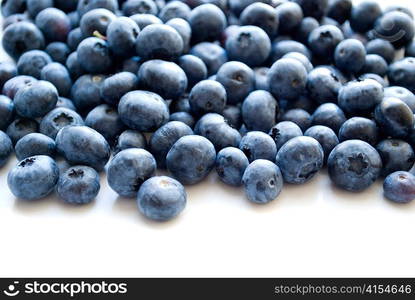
[[395, 27], [61, 288]]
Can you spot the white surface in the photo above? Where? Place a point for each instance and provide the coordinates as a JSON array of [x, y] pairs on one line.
[[310, 230]]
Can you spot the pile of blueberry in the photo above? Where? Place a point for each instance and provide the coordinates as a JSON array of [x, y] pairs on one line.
[[265, 92]]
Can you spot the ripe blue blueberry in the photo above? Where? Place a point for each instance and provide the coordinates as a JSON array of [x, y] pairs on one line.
[[230, 165], [207, 96], [6, 148], [54, 24], [207, 22], [122, 34], [258, 145], [21, 127], [325, 136], [117, 85], [284, 131], [298, 116], [35, 144], [397, 155], [213, 55], [32, 62], [323, 85], [330, 115], [359, 128], [6, 111], [130, 139], [399, 187], [59, 76], [96, 21], [57, 119], [260, 111], [94, 55]]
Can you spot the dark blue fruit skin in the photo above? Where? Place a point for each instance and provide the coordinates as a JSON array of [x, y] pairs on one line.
[[207, 96], [194, 68], [121, 36], [263, 181], [159, 41], [74, 19], [83, 145], [283, 47], [290, 16], [401, 93], [207, 22], [382, 48], [32, 62], [116, 86], [306, 26], [298, 116], [360, 97], [402, 73], [8, 70], [12, 85], [313, 8], [85, 92], [230, 165], [394, 117], [215, 128], [375, 77], [174, 9], [323, 85], [350, 56], [213, 55], [399, 187], [236, 6], [302, 59], [191, 159], [284, 131], [15, 18], [261, 15], [75, 37], [33, 178], [35, 144], [375, 64], [250, 45], [130, 139], [65, 102], [258, 145], [300, 159], [358, 128], [59, 76], [181, 104], [330, 115], [132, 7], [325, 136], [162, 77], [6, 148], [324, 40], [21, 127], [238, 80], [85, 6], [36, 99], [34, 7], [397, 155], [161, 198], [184, 117], [261, 82], [129, 169], [21, 37], [73, 66], [260, 111], [106, 121], [131, 65], [12, 7], [54, 24], [410, 50], [340, 10], [287, 79], [354, 165], [94, 55], [164, 138], [58, 51], [142, 110], [143, 20], [57, 119], [96, 21], [364, 15], [183, 29], [391, 26], [6, 111], [66, 5], [399, 8], [78, 185]]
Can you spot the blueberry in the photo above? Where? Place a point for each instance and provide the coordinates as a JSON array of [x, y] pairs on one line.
[[129, 169], [21, 37], [184, 117], [6, 111], [324, 40], [323, 85], [66, 5], [78, 185], [15, 18], [410, 50], [116, 86], [182, 104], [287, 78], [284, 131], [65, 102], [375, 64], [259, 111], [36, 99], [258, 145], [261, 81], [12, 7], [143, 20], [213, 55], [290, 16], [8, 70], [330, 115], [237, 6], [75, 37], [54, 24], [400, 9], [183, 29], [394, 117], [59, 76], [358, 128], [399, 187], [21, 127], [325, 136], [122, 34], [83, 145], [215, 128], [130, 139], [263, 181], [250, 45], [261, 15], [313, 8], [207, 96], [302, 59], [131, 65], [340, 10], [6, 148], [85, 6], [143, 110], [191, 159], [35, 144], [161, 198], [382, 48], [350, 56], [402, 73], [32, 62], [401, 93], [194, 68], [132, 7], [57, 119], [281, 48], [94, 55], [74, 19], [374, 77], [207, 22], [360, 97], [34, 7], [73, 66], [174, 9], [58, 51], [354, 165], [12, 86], [298, 116], [85, 92], [397, 155], [33, 178], [307, 25], [364, 16], [230, 165], [164, 138]]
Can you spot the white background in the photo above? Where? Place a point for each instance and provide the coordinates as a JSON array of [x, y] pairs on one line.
[[310, 230]]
